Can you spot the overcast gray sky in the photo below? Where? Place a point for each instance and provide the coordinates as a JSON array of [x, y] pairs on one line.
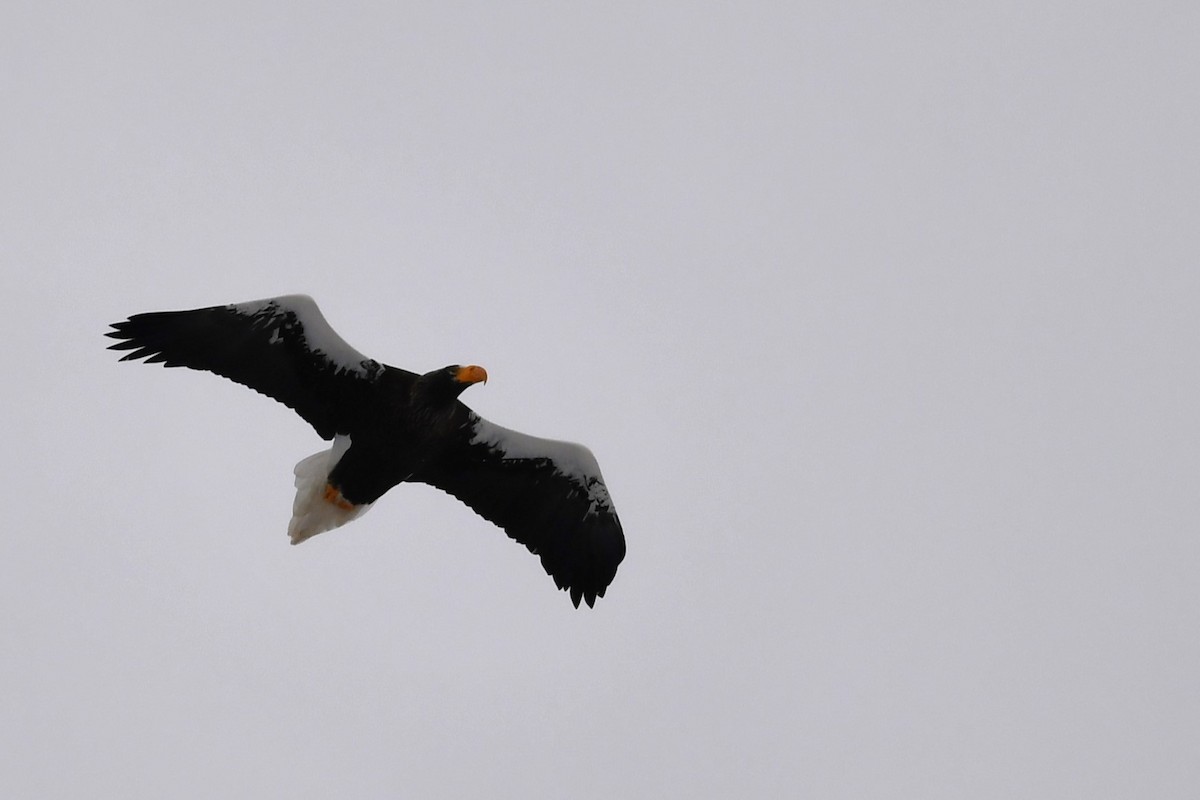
[[881, 319]]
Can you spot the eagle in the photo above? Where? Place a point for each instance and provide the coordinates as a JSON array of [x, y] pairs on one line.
[[389, 426]]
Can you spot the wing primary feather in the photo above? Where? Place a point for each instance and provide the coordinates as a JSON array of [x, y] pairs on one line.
[[281, 347], [546, 494]]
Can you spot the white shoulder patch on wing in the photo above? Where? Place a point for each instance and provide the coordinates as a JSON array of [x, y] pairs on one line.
[[571, 460], [319, 335]]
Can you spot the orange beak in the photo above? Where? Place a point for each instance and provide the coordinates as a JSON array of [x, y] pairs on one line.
[[471, 374]]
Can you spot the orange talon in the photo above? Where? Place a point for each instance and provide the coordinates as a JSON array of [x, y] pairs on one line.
[[332, 495]]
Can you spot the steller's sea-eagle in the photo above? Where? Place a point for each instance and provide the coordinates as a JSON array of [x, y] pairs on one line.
[[389, 425]]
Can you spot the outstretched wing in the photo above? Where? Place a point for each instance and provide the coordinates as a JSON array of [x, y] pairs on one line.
[[545, 494], [281, 347]]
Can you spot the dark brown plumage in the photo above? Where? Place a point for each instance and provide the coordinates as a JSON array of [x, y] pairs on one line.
[[389, 426]]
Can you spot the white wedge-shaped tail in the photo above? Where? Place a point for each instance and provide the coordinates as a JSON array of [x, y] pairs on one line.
[[316, 508]]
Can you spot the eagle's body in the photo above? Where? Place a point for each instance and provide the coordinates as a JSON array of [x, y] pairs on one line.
[[390, 425]]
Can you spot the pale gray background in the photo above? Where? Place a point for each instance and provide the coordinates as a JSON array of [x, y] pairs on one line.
[[881, 319]]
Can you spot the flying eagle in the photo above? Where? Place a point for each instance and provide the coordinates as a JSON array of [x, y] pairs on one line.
[[388, 426]]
